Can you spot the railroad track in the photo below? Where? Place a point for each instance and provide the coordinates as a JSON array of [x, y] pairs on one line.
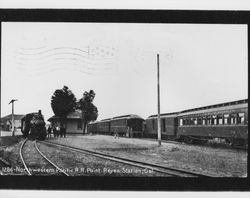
[[59, 171], [154, 167]]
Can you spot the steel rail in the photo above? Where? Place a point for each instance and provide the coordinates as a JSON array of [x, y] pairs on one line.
[[53, 164], [154, 167], [3, 161], [20, 152]]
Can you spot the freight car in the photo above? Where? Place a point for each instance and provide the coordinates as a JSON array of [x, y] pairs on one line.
[[127, 125], [228, 121], [33, 126]]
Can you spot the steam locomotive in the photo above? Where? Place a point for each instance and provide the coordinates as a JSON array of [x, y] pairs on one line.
[[33, 126], [228, 121]]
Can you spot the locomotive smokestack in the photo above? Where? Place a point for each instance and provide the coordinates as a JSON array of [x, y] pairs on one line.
[[39, 112]]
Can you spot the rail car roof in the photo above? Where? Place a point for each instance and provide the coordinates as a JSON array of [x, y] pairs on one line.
[[165, 115], [218, 107], [104, 120], [206, 109], [130, 116]]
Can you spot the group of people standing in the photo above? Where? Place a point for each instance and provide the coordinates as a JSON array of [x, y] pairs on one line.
[[57, 131]]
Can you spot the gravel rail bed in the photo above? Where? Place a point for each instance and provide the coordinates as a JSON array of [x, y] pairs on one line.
[[215, 162], [36, 164], [79, 164], [10, 153]]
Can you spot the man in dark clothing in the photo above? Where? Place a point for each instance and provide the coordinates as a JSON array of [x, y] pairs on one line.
[[61, 131], [49, 132], [54, 131], [57, 131]]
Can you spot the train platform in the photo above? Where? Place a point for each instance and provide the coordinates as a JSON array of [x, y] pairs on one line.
[[217, 162]]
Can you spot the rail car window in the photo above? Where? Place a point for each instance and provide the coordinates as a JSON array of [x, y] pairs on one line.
[[209, 120], [204, 121], [241, 118], [153, 124], [233, 118], [184, 122], [199, 121], [181, 122], [163, 124], [191, 121], [219, 119], [226, 117], [214, 120], [195, 121]]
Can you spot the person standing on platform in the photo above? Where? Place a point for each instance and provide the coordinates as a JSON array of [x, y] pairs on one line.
[[57, 131], [61, 131], [54, 131], [49, 131]]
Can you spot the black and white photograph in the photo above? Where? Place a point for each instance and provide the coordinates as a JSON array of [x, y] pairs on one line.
[[93, 99]]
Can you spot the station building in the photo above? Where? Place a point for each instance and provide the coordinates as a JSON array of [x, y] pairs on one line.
[[73, 122]]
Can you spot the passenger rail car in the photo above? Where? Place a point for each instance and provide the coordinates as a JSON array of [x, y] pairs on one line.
[[169, 126], [127, 125], [228, 121]]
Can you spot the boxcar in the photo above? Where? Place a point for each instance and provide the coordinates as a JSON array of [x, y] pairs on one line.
[[127, 125], [227, 120], [169, 126]]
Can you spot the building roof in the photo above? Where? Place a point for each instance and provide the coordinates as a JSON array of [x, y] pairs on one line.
[[77, 114], [8, 117]]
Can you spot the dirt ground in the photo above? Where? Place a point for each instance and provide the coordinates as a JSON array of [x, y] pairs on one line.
[[217, 162]]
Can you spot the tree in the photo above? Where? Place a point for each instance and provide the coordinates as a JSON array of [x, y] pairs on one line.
[[63, 102], [89, 110]]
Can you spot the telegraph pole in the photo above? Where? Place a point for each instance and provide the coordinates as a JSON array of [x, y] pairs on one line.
[[12, 116], [158, 102]]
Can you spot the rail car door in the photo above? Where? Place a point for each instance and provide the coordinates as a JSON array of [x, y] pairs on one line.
[[109, 128], [175, 126]]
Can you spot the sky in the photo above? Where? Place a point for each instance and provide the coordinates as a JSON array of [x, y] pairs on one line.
[[200, 64]]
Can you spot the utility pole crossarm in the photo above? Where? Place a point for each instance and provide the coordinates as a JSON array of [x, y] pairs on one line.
[[13, 100]]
